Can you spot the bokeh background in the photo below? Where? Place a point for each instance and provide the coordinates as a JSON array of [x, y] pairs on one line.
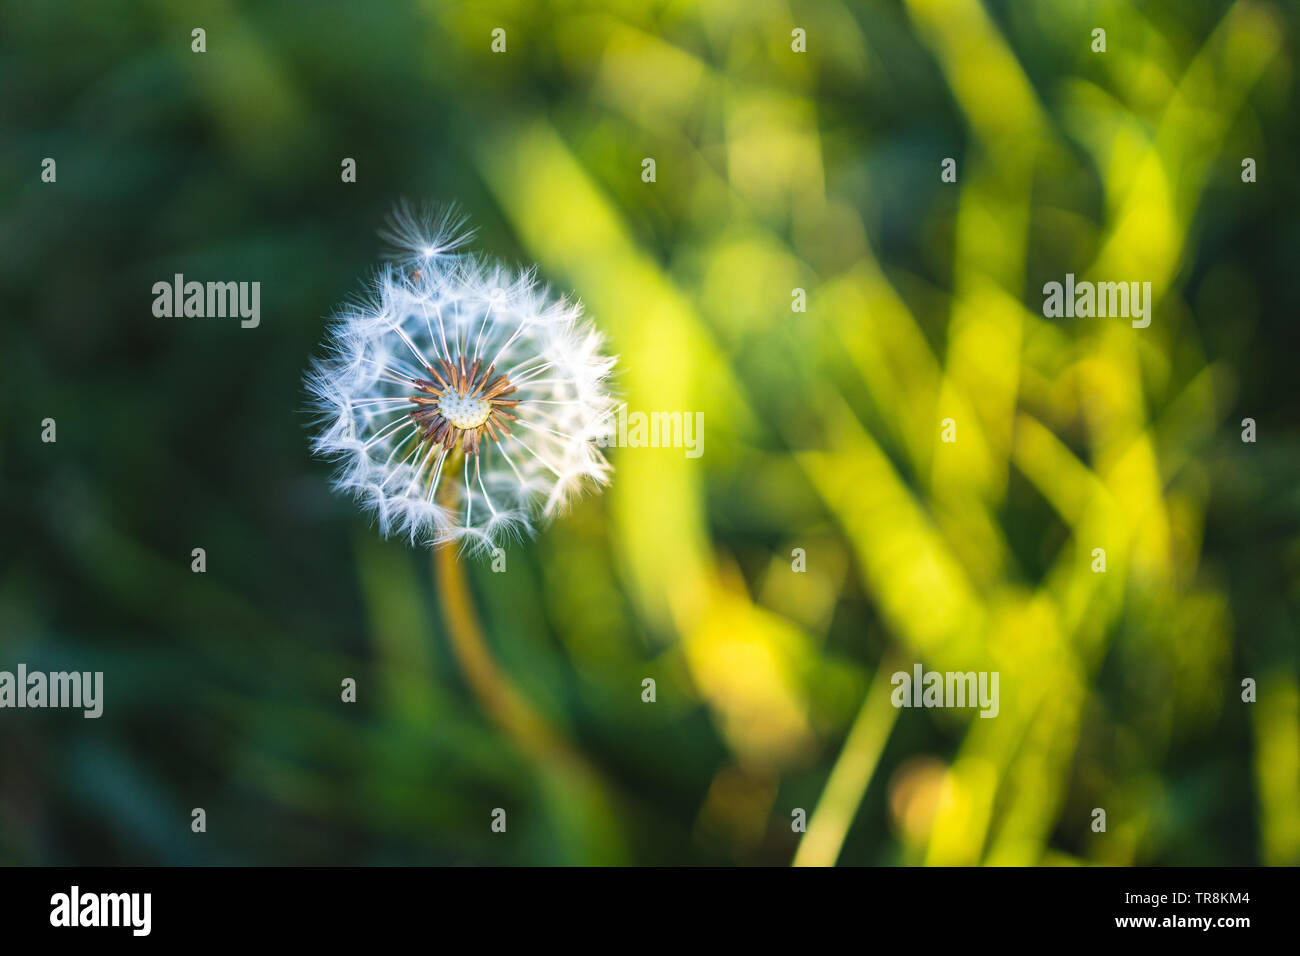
[[775, 170]]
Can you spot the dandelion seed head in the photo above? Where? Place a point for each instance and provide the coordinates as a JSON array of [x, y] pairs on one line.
[[461, 400]]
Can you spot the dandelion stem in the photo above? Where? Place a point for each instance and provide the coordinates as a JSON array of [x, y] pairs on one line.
[[501, 700], [554, 756]]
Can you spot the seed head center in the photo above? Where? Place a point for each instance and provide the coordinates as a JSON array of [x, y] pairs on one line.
[[464, 412], [463, 404]]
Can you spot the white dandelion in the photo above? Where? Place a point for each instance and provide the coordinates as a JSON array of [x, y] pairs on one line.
[[461, 400]]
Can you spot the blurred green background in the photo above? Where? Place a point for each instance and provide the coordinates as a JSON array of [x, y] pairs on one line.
[[775, 170]]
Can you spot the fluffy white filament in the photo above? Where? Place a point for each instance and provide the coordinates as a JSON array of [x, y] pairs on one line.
[[434, 303]]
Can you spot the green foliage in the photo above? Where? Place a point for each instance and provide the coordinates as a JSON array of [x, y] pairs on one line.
[[776, 170]]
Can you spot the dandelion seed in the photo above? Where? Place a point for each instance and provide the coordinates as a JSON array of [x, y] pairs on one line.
[[461, 400]]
